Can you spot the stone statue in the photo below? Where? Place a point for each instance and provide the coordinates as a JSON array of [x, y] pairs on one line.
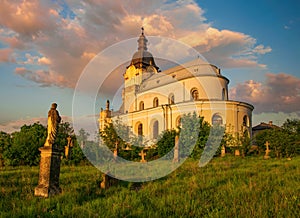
[[53, 121]]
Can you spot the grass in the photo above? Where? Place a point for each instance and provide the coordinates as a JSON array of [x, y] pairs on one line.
[[226, 187]]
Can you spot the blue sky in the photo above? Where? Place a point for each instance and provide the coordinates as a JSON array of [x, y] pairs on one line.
[[45, 45]]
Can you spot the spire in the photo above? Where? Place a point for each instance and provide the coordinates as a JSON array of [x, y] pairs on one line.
[[142, 41]]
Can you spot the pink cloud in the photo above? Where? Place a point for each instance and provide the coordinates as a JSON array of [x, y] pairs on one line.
[[43, 77], [26, 17], [65, 46], [16, 125], [280, 93], [6, 55]]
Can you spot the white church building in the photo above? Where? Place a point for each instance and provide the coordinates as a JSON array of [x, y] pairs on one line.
[[154, 100]]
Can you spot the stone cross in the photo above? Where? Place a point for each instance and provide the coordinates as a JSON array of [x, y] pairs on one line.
[[223, 151], [116, 149], [267, 150], [68, 147], [142, 154]]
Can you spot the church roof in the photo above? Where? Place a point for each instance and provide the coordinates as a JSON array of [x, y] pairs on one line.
[[143, 58]]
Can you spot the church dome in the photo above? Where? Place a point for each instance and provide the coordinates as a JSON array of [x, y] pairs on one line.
[[142, 58]]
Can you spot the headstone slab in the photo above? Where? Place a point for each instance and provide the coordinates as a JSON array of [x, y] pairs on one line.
[[49, 172]]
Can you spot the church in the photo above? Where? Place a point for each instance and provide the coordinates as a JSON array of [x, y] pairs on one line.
[[154, 101]]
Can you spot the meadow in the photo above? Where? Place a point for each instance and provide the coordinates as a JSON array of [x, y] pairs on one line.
[[226, 187]]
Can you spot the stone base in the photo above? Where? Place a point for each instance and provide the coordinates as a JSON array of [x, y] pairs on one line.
[[42, 191], [237, 152], [108, 181], [49, 172]]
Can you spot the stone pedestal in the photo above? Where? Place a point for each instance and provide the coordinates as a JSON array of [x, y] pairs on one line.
[[107, 181], [49, 172], [223, 151], [237, 152], [176, 150], [266, 156]]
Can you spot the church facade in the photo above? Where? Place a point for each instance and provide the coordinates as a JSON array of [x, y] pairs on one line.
[[154, 101]]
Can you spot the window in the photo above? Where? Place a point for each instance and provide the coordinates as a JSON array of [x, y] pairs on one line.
[[155, 102], [223, 94], [141, 105], [171, 99], [194, 94], [217, 119], [245, 121], [140, 129], [155, 129]]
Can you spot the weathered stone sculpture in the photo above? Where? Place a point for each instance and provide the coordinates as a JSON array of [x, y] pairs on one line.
[[53, 121], [50, 158]]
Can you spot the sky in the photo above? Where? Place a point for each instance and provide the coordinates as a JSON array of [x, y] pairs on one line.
[[46, 45]]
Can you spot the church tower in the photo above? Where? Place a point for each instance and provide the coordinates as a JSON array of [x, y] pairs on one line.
[[105, 116], [141, 67]]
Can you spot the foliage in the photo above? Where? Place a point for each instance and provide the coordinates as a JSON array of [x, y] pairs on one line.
[[24, 146], [189, 132], [166, 142], [284, 142], [5, 143], [118, 136]]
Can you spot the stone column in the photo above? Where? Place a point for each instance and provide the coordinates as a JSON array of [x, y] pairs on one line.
[[176, 149], [49, 172], [223, 151]]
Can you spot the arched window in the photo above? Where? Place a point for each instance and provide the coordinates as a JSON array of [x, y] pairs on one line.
[[140, 129], [223, 94], [171, 99], [178, 121], [141, 105], [194, 94], [155, 102], [155, 129], [246, 121], [217, 119]]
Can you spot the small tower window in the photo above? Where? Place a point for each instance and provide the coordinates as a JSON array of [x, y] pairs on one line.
[[194, 94], [141, 105], [140, 129], [217, 119], [246, 121], [155, 102], [171, 99], [178, 121]]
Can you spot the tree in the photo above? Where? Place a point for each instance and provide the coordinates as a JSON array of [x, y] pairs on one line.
[[166, 142], [5, 143], [24, 145]]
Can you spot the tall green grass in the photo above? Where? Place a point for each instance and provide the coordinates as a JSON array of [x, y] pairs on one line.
[[226, 187]]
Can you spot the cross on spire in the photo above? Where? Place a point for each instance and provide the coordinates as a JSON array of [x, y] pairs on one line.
[[142, 30]]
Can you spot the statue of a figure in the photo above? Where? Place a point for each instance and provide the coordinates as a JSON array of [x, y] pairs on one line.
[[53, 121]]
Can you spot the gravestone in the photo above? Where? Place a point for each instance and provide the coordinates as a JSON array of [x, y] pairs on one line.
[[50, 159], [68, 147], [223, 151], [107, 181], [267, 150], [143, 154], [176, 149]]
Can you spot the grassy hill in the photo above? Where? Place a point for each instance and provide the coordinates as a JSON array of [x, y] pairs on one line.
[[226, 187]]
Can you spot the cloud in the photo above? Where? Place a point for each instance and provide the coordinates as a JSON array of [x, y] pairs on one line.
[[26, 17], [16, 125], [280, 93], [43, 77], [62, 39], [6, 55]]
